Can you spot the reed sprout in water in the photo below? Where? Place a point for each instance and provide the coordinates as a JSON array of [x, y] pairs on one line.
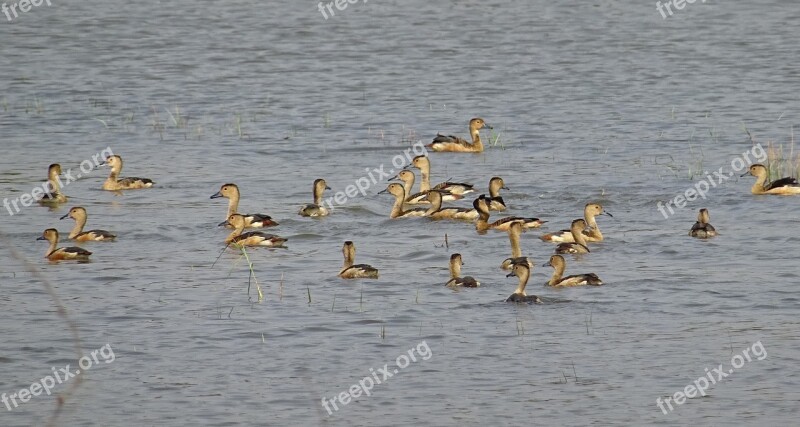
[[251, 275]]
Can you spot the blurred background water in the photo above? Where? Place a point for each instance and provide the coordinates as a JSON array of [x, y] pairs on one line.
[[603, 101]]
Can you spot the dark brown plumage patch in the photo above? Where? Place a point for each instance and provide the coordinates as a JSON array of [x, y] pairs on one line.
[[783, 182], [571, 248], [529, 299]]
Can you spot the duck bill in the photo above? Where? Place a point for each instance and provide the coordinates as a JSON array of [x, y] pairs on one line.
[[223, 223], [216, 195], [510, 274], [66, 215]]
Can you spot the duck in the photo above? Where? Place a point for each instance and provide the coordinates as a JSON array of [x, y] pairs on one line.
[[523, 271], [496, 202], [559, 265], [454, 144], [316, 209], [590, 211], [579, 245], [482, 224], [423, 163], [115, 183], [62, 254], [54, 197], [783, 186], [702, 229], [514, 232], [407, 178], [231, 192], [437, 212], [78, 213], [251, 238], [455, 271], [355, 271], [399, 194]]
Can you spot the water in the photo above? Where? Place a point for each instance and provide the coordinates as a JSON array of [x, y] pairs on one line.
[[604, 101]]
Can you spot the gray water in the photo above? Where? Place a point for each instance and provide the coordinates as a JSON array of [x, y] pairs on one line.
[[602, 101]]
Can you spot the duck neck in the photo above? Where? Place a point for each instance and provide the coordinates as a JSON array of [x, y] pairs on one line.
[[513, 238], [592, 222], [349, 259], [52, 248], [233, 204], [397, 208], [436, 203], [408, 185], [55, 184], [425, 176], [494, 190], [237, 231], [112, 177], [558, 272], [80, 222], [318, 196], [524, 274], [476, 140], [577, 234], [483, 218], [455, 269], [758, 187]]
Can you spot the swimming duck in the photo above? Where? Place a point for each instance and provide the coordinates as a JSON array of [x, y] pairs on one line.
[[59, 254], [559, 265], [455, 144], [355, 271], [482, 224], [424, 165], [407, 178], [54, 197], [455, 272], [231, 192], [524, 273], [590, 211], [251, 238], [437, 212], [783, 186], [702, 229], [399, 197], [115, 183], [496, 202], [579, 246], [79, 215], [514, 233], [316, 209]]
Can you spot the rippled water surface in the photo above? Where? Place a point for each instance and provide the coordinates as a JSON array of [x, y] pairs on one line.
[[602, 101]]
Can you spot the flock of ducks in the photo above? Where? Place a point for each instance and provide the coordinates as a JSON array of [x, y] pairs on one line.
[[574, 241]]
